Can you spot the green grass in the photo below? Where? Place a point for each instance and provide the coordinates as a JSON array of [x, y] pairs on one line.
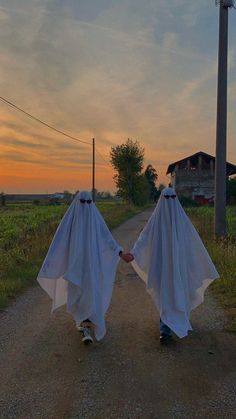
[[223, 254], [26, 232], [116, 213]]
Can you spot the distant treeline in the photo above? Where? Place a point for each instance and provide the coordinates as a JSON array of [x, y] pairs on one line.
[[27, 197]]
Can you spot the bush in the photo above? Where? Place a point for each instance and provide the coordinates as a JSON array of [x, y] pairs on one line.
[[36, 202], [188, 202]]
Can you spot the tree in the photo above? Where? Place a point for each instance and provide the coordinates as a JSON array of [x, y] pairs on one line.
[[141, 193], [161, 186], [68, 197], [231, 191], [127, 160], [151, 176]]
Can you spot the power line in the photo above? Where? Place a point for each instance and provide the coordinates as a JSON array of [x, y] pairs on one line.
[[41, 122], [4, 100], [107, 163]]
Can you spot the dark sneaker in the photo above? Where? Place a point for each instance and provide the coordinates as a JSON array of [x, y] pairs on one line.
[[87, 338], [164, 337]]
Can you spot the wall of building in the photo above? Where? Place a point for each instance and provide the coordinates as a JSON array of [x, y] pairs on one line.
[[190, 184], [194, 180]]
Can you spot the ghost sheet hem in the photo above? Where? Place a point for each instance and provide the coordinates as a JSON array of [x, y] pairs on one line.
[[57, 289]]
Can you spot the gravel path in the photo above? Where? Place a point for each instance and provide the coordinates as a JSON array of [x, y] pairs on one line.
[[46, 372]]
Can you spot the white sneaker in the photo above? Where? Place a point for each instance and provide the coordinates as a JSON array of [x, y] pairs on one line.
[[79, 327], [87, 338]]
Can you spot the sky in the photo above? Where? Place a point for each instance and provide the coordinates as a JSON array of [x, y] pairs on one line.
[[109, 70]]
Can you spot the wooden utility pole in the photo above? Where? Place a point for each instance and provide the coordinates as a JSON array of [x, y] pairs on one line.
[[221, 124], [93, 172]]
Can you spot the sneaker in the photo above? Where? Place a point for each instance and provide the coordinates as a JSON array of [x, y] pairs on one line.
[[164, 337], [80, 327], [87, 338]]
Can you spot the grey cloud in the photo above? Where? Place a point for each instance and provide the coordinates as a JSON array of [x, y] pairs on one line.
[[53, 161], [87, 10], [19, 143], [18, 157]]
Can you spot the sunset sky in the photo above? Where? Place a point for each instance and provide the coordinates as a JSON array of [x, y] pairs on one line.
[[109, 69]]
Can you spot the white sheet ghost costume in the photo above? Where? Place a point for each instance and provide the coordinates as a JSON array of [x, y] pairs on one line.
[[81, 263], [172, 260]]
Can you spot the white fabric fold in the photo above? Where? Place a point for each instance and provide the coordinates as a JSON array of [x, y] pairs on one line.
[[80, 266], [173, 262]]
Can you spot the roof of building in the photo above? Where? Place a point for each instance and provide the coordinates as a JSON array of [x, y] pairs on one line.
[[231, 168]]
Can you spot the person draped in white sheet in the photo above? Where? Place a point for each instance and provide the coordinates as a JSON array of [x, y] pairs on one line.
[[172, 260], [80, 266]]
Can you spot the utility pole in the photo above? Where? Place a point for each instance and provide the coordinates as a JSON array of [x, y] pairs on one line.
[[93, 172], [221, 124]]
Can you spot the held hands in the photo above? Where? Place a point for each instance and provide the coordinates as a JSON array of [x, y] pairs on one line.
[[127, 257]]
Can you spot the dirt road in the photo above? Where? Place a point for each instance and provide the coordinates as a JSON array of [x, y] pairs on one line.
[[46, 372]]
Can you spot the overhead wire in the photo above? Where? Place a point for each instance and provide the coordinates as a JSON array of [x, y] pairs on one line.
[[4, 100], [11, 104], [105, 161]]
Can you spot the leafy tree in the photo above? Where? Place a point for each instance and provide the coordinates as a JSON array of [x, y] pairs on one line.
[[231, 191], [151, 176], [127, 160], [68, 197], [141, 190], [161, 186]]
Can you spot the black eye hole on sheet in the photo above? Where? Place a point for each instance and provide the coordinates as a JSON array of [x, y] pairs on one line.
[[170, 196]]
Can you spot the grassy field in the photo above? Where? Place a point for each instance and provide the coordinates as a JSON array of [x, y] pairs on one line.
[[26, 231], [223, 254]]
